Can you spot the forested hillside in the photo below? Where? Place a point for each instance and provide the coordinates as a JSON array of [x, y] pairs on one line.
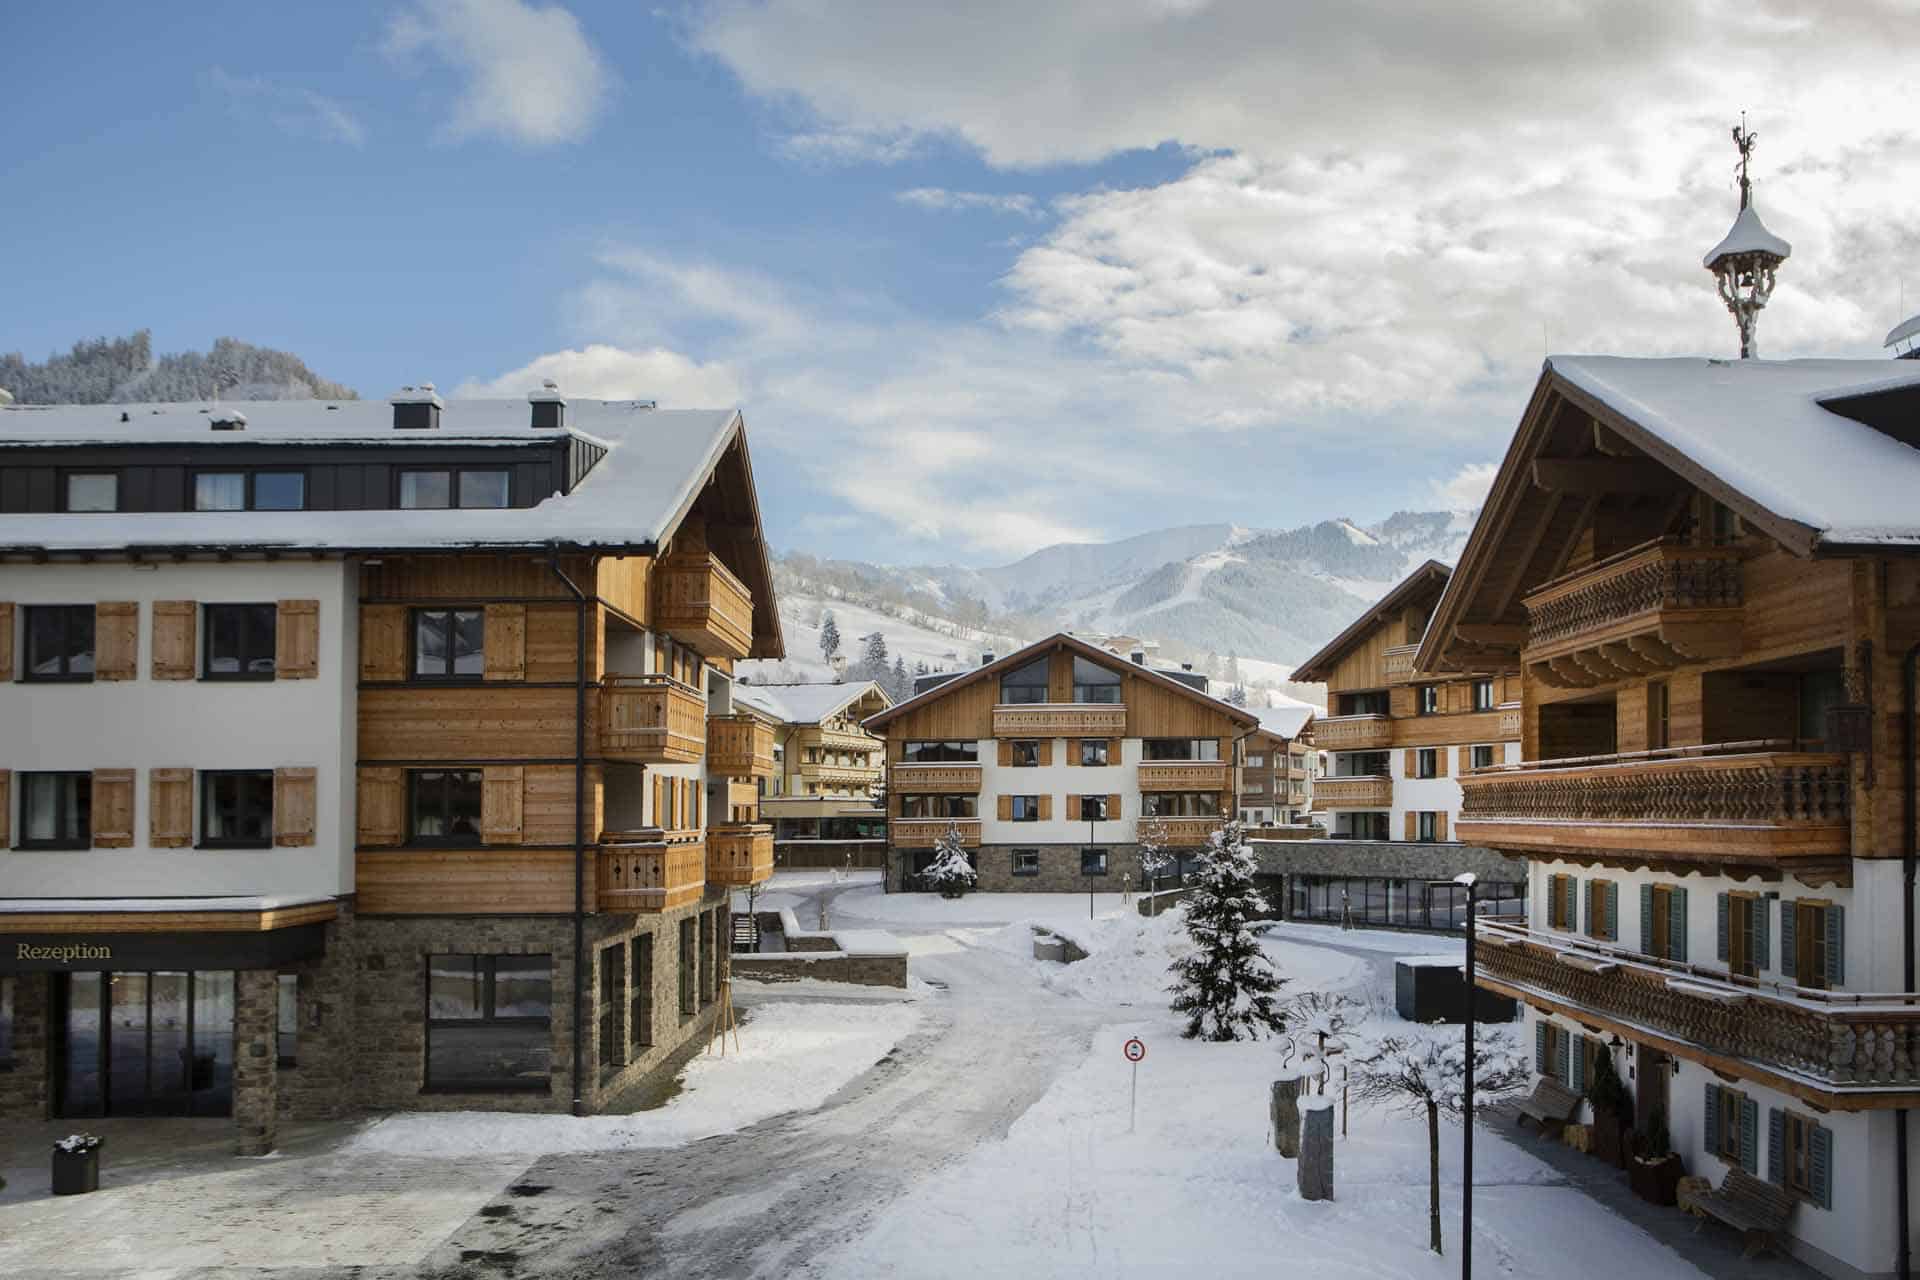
[[103, 370]]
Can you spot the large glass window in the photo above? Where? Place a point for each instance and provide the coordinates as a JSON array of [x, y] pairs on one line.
[[56, 810], [938, 806], [1093, 862], [489, 1022], [1093, 751], [1426, 763], [1094, 809], [240, 641], [220, 491], [1427, 699], [1180, 804], [444, 807], [1095, 683], [92, 491], [1024, 808], [1180, 748], [1483, 695], [449, 644], [236, 809], [1427, 826], [1026, 862], [1368, 702], [1360, 764], [941, 753], [1028, 684], [428, 490], [1483, 756], [59, 642], [250, 491], [1025, 754], [484, 488], [423, 490], [279, 491]]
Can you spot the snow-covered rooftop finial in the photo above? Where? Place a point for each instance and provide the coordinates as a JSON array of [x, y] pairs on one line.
[[1907, 331], [1745, 260]]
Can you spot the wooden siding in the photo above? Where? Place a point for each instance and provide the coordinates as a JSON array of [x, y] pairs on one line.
[[472, 579], [475, 881], [467, 723], [625, 583], [1447, 730]]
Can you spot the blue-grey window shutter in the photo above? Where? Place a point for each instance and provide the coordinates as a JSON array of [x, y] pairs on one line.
[[1577, 1064], [1762, 954], [1789, 939], [1836, 946], [1677, 924], [1776, 1146], [1585, 919], [1713, 1118], [1723, 925], [1820, 1164], [1567, 1067], [1646, 920], [1750, 1135], [1613, 911], [1540, 1030]]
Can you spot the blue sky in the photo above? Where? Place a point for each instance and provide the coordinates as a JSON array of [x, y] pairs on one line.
[[982, 276]]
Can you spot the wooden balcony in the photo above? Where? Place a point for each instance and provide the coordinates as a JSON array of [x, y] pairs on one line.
[[920, 833], [740, 855], [837, 739], [1059, 720], [1188, 832], [1186, 776], [839, 775], [1848, 1050], [1400, 663], [1732, 803], [1644, 611], [1510, 722], [651, 720], [935, 779], [649, 870], [1368, 792], [1353, 733], [739, 747], [698, 601]]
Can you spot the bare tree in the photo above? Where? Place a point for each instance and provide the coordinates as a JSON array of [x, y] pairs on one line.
[[1150, 835]]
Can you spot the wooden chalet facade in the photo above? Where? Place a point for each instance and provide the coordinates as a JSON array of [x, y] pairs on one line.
[[1048, 759], [1278, 767], [1700, 575], [825, 797]]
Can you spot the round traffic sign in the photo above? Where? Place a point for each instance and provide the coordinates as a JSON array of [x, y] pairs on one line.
[[1135, 1050]]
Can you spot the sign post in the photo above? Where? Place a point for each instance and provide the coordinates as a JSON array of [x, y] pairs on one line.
[[1135, 1050]]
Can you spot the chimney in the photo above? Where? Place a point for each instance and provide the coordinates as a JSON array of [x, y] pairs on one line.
[[416, 408], [549, 407], [227, 418], [1138, 657], [1186, 666], [986, 658]]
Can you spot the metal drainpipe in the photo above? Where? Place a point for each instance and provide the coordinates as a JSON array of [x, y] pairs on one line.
[[1910, 850], [579, 830]]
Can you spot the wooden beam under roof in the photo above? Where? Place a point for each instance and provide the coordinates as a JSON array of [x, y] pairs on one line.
[[1595, 475]]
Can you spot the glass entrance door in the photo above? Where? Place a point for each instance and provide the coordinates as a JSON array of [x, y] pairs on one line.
[[145, 1044]]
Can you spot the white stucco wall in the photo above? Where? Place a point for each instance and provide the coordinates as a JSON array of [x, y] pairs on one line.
[[145, 724], [1435, 794], [1059, 781]]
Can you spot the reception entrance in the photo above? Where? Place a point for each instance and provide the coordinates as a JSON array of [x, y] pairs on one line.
[[143, 1044]]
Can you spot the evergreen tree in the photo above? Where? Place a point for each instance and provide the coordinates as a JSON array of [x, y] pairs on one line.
[[1233, 667], [1150, 837], [829, 636], [951, 874], [876, 657], [1226, 987], [902, 682], [1237, 695]]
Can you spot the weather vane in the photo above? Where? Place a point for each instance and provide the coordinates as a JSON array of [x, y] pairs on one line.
[[1744, 139], [1746, 259]]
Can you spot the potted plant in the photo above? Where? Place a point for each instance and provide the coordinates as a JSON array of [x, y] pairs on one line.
[[1610, 1109], [1655, 1170], [76, 1164]]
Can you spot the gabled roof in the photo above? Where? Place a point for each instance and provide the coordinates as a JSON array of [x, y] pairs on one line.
[[1429, 577], [1059, 640], [1286, 721], [806, 703]]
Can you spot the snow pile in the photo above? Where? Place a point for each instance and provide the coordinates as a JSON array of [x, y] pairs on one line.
[[791, 1057], [1128, 958]]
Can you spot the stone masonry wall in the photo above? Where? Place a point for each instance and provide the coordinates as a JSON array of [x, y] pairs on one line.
[[255, 1062], [23, 1089], [824, 966]]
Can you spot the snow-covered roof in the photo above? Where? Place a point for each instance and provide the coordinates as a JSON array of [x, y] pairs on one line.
[[1908, 328], [60, 906], [655, 464], [804, 703], [1747, 235], [1285, 721], [1761, 428]]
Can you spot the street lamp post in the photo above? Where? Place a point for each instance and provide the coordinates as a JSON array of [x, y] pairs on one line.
[[1090, 883], [1468, 879]]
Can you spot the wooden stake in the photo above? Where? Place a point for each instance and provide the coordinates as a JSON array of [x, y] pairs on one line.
[[723, 1021]]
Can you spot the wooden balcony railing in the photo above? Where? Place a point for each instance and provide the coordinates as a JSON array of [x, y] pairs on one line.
[[920, 833], [1510, 721], [743, 800], [839, 775], [1353, 733], [1185, 776], [740, 855], [1400, 663], [652, 720], [838, 740], [1059, 720], [1645, 610], [935, 779], [1188, 832], [1840, 1042], [649, 869], [699, 602], [1368, 792], [739, 747]]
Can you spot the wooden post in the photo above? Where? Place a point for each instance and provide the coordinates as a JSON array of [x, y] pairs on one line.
[[1343, 1099], [1284, 1113], [1315, 1166]]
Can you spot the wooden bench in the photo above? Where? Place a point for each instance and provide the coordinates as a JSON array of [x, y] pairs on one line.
[[1755, 1208], [1552, 1104]]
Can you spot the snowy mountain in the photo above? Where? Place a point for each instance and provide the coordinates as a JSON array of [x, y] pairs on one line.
[[106, 370]]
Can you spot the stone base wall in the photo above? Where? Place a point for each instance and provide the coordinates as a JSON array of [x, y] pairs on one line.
[[256, 1002], [1059, 870], [23, 1088], [825, 966]]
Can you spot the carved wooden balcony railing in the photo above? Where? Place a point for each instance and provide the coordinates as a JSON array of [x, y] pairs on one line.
[[1185, 775], [652, 720], [739, 747], [1400, 663], [935, 779], [1510, 721], [742, 800], [739, 855], [1736, 802], [838, 775], [699, 602], [649, 869], [1645, 610], [837, 739], [1059, 720], [1837, 1041], [1368, 792], [1353, 733], [920, 833], [1188, 832]]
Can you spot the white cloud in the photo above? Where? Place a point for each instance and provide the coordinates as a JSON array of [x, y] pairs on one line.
[[601, 372], [1466, 489], [940, 198], [293, 109], [532, 76], [836, 148]]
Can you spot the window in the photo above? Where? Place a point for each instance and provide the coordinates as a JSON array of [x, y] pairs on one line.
[[1800, 1157], [1095, 683], [92, 491], [236, 809], [1026, 754], [421, 490], [1028, 684], [1563, 902], [1603, 909], [1255, 760], [1093, 862], [449, 644], [287, 1020], [444, 807], [489, 1021], [1733, 1124], [938, 806], [240, 641], [1657, 715], [1483, 695], [1427, 699], [1426, 762], [1093, 751], [1427, 827], [1743, 933], [56, 810], [1663, 921], [1094, 809], [1026, 862], [1025, 808], [640, 1012], [1812, 943], [940, 753], [220, 491], [1180, 749], [612, 1004], [1360, 764], [1372, 702], [59, 642], [1482, 756], [1180, 804], [484, 488], [688, 971], [250, 491]]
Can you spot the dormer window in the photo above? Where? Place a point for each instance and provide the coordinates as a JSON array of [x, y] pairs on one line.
[[250, 491], [92, 491], [467, 487]]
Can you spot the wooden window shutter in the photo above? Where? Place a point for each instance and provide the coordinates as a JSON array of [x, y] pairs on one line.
[[1721, 901], [1413, 763], [1006, 754], [6, 808], [1749, 1135], [1046, 751], [1073, 751], [382, 804], [1073, 808], [1046, 807], [1789, 939], [506, 642], [1464, 761], [1762, 950], [1676, 924], [1400, 702], [383, 642], [296, 640], [116, 642], [1439, 762], [1776, 1146], [1573, 1052], [1646, 921], [294, 805], [1540, 1030], [1113, 807], [1836, 946], [1612, 912], [502, 792], [1570, 902], [174, 638], [1440, 826], [112, 808], [1005, 809], [1820, 1164], [6, 640], [170, 808], [1713, 1119], [1412, 824], [1113, 751]]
